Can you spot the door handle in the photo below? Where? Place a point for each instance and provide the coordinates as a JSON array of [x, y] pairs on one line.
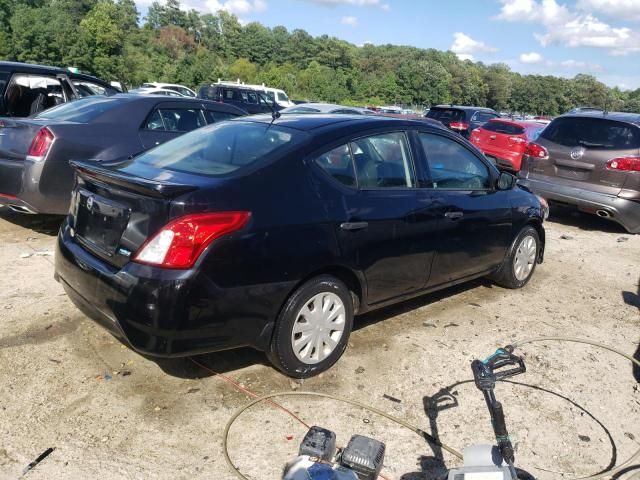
[[352, 226], [454, 215]]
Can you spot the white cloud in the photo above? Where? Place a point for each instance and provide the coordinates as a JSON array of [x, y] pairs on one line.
[[581, 66], [464, 46], [532, 57], [237, 7], [351, 21], [622, 9], [571, 28], [353, 3]]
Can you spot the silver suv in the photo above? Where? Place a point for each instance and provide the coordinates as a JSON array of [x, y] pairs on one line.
[[589, 159]]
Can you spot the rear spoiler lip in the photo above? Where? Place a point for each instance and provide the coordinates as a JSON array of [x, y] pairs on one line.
[[130, 182]]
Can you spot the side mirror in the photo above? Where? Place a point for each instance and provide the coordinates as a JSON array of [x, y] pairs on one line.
[[506, 181]]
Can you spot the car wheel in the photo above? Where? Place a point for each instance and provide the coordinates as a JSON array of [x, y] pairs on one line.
[[312, 330], [520, 262]]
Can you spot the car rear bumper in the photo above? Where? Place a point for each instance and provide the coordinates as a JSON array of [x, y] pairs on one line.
[[21, 189], [623, 211], [504, 159], [165, 313]]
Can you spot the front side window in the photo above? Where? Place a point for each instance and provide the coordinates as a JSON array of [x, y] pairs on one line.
[[86, 89], [222, 148], [383, 161], [452, 166], [30, 94], [338, 163]]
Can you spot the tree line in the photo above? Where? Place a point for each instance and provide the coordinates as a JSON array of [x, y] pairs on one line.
[[107, 38]]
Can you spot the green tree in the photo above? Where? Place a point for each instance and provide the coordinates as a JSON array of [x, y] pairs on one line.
[[244, 70]]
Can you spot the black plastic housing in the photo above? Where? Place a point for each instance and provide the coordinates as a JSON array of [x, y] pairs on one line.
[[319, 442], [364, 456]]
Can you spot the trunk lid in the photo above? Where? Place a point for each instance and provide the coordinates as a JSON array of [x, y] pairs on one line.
[[113, 212], [579, 149]]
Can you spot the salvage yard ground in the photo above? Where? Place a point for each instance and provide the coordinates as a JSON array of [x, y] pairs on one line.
[[110, 413]]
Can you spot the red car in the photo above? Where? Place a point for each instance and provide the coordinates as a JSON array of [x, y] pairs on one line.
[[504, 141]]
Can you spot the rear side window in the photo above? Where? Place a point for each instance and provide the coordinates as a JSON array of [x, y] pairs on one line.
[[483, 116], [209, 93], [222, 148], [30, 94], [595, 133], [339, 164], [501, 127], [182, 119], [383, 161], [4, 76], [446, 114], [84, 110], [452, 166], [86, 89]]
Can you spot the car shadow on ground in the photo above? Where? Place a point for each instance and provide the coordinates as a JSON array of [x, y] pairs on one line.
[[44, 224], [230, 360], [433, 466], [584, 221]]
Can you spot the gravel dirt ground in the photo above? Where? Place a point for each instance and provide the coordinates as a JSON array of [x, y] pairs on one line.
[[111, 413]]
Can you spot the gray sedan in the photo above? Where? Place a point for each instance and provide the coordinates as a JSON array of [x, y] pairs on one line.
[[35, 176]]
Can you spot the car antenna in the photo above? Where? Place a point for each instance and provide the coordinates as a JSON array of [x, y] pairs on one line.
[[275, 114]]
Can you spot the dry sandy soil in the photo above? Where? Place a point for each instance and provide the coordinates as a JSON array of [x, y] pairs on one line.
[[110, 413]]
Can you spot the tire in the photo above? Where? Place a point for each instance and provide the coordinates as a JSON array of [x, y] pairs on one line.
[[321, 334], [520, 263]]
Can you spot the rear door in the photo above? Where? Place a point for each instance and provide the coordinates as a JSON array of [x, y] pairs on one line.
[[170, 120], [579, 149], [384, 223], [475, 219]]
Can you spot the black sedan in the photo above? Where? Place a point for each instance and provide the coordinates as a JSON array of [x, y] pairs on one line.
[[275, 233], [35, 176]]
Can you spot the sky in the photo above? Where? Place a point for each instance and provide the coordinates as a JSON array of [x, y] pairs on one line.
[[549, 37]]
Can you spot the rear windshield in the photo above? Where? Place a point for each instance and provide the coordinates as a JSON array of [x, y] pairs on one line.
[[84, 110], [594, 133], [501, 127], [445, 114], [222, 148]]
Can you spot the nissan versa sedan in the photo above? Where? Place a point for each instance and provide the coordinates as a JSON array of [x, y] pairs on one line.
[[274, 233]]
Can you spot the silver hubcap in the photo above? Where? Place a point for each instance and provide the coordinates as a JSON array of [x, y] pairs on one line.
[[525, 258], [318, 328]]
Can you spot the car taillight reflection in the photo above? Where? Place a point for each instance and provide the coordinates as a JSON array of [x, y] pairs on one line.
[[459, 126]]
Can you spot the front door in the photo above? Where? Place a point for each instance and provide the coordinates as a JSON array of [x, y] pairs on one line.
[[475, 218]]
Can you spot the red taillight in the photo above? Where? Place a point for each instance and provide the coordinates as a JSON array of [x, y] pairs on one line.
[[536, 151], [625, 164], [179, 243], [459, 126], [40, 145]]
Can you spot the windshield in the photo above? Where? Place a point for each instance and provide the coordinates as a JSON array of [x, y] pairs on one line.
[[282, 97], [222, 148], [83, 110]]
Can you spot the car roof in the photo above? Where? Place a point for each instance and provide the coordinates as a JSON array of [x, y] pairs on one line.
[[322, 107], [633, 118], [521, 123], [330, 121], [464, 107], [46, 69], [152, 99]]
